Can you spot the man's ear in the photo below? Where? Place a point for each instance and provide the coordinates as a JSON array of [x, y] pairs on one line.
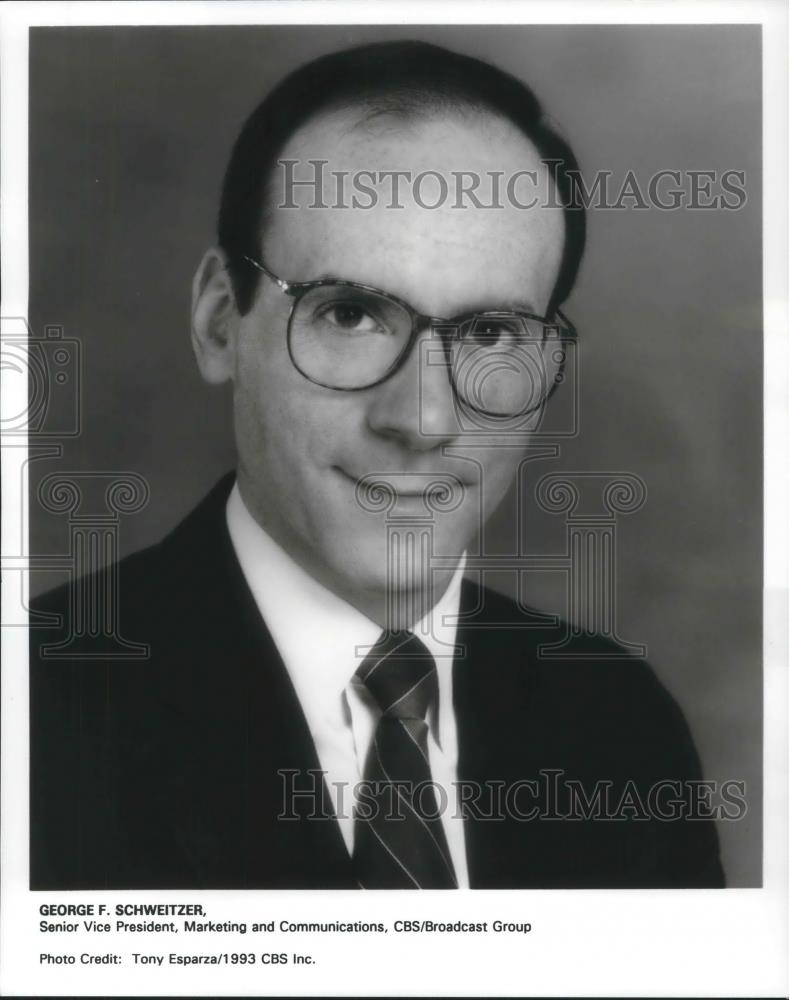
[[215, 319]]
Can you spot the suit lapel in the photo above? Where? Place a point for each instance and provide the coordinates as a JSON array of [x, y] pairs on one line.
[[237, 736], [492, 680]]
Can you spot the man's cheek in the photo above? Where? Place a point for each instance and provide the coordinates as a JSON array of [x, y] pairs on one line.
[[496, 478]]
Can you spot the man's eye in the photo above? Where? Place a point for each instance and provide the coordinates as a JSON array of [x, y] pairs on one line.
[[492, 331], [351, 317]]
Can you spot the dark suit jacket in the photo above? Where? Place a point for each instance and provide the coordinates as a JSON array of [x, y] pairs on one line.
[[163, 773]]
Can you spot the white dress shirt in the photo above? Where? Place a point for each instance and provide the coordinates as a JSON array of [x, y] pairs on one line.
[[323, 640]]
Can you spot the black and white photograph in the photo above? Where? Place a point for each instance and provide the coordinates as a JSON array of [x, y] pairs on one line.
[[391, 475]]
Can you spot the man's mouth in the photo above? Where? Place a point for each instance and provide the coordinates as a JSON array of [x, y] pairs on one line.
[[440, 488]]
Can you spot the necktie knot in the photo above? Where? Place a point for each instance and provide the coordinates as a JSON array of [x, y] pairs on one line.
[[400, 674]]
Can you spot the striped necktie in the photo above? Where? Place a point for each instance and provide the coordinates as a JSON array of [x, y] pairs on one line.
[[399, 841]]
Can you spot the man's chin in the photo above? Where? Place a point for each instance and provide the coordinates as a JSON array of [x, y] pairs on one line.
[[388, 576]]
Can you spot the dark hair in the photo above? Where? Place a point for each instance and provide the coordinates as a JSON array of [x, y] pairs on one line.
[[403, 76]]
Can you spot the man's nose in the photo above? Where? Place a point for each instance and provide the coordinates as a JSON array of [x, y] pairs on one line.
[[417, 404]]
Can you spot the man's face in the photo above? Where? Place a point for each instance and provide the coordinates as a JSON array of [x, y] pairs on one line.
[[303, 448]]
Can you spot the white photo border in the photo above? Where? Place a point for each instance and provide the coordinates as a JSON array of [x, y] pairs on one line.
[[585, 942]]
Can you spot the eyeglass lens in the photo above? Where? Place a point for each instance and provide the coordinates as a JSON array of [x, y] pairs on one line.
[[350, 338]]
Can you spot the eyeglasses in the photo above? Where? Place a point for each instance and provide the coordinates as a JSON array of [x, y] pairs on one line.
[[348, 336]]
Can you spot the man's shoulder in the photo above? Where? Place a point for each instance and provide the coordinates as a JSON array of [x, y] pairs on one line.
[[543, 704], [154, 579], [583, 680], [538, 638]]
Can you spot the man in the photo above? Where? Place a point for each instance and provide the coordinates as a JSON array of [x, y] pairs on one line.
[[328, 702]]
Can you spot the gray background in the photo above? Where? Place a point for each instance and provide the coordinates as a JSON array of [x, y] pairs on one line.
[[130, 130]]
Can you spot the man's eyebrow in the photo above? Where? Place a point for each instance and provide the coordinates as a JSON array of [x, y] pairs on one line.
[[508, 305]]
